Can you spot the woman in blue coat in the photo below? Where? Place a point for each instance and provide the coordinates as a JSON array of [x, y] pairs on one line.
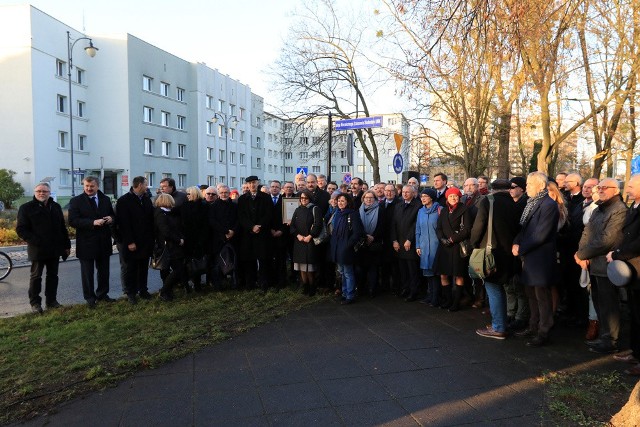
[[347, 231], [536, 246], [427, 243]]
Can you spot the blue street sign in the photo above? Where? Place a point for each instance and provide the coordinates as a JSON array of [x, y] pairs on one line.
[[360, 123], [304, 170], [424, 179], [635, 165], [347, 178], [397, 163]]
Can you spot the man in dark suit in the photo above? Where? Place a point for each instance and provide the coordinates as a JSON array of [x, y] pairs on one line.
[[255, 210], [279, 234], [403, 238], [320, 197], [440, 185], [135, 239], [91, 214], [223, 223], [41, 225], [389, 274]]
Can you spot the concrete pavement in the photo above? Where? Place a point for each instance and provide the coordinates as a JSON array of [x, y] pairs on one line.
[[377, 362]]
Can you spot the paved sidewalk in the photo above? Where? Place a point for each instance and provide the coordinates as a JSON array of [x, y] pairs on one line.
[[377, 362]]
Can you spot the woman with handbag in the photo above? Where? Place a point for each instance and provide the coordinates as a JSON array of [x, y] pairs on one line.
[[195, 223], [454, 227], [369, 255], [427, 243], [306, 224], [347, 231], [169, 238]]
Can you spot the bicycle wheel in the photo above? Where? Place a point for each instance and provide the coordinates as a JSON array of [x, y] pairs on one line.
[[5, 265]]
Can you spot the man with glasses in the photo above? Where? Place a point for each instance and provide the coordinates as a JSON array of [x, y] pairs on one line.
[[601, 235], [41, 225], [210, 195], [223, 223]]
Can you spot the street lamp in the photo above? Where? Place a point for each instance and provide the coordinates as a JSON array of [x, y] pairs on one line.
[[226, 119], [91, 51]]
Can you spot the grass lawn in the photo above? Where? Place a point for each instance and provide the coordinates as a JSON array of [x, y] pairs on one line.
[[50, 358]]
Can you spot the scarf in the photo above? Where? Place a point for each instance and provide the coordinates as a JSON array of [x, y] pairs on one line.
[[341, 223], [369, 217], [531, 203], [452, 207]]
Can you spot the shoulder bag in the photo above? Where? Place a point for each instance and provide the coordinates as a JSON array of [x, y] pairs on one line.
[[465, 245], [482, 263], [324, 235]]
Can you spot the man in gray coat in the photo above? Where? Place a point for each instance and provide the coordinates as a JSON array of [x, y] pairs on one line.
[[602, 234]]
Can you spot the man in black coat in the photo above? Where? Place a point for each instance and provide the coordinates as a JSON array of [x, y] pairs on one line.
[[356, 192], [505, 226], [403, 238], [41, 225], [91, 214], [390, 273], [440, 185], [168, 186], [223, 223], [135, 239], [279, 235], [255, 210], [320, 197]]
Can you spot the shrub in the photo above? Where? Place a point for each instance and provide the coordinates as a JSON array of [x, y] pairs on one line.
[[10, 190]]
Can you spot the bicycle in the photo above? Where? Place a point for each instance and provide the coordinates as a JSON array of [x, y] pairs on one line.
[[5, 265]]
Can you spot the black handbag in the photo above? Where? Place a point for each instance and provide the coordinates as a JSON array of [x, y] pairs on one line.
[[465, 245], [159, 257]]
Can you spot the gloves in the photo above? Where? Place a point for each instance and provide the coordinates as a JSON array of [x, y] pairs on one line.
[[445, 242]]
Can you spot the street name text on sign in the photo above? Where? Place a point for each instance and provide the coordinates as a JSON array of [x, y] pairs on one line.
[[360, 123]]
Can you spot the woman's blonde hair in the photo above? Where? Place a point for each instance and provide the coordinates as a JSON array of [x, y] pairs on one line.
[[555, 194], [165, 200], [194, 191]]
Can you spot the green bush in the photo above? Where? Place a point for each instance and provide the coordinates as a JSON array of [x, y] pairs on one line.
[[10, 191]]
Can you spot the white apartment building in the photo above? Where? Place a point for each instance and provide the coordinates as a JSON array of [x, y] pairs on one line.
[[137, 110], [292, 146]]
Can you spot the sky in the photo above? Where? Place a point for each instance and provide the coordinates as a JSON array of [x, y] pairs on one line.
[[240, 38]]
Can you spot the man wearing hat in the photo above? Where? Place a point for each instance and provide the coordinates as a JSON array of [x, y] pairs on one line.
[[602, 234], [629, 252], [254, 218]]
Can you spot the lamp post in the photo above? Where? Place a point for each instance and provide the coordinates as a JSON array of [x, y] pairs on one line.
[[226, 119], [91, 51]]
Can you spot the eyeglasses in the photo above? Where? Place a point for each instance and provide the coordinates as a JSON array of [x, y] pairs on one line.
[[304, 198], [603, 187], [211, 194], [42, 191]]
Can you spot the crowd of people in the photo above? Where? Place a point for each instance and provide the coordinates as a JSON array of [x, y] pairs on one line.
[[564, 248]]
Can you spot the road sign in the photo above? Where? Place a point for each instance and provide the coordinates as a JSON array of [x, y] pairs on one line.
[[125, 181], [635, 165], [360, 123], [347, 178], [424, 179], [398, 163], [304, 170], [398, 138]]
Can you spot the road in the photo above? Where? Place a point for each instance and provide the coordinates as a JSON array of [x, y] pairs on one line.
[[14, 298]]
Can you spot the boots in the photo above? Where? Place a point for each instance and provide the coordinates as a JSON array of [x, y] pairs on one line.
[[457, 294], [446, 297], [434, 290]]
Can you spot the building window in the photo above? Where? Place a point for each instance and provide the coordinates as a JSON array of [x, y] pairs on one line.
[[220, 131], [164, 118], [164, 89], [232, 181], [242, 159], [166, 147], [79, 76], [209, 128], [232, 110], [315, 169], [82, 142], [62, 139], [166, 175], [304, 140], [221, 179], [148, 146], [211, 180], [147, 113], [333, 168], [81, 108], [241, 136], [151, 178], [62, 103], [221, 156], [270, 153], [360, 168], [232, 157], [181, 121], [270, 168], [304, 155], [343, 154], [147, 83], [288, 155], [232, 133], [209, 154], [65, 177], [182, 180], [243, 113], [258, 121], [208, 101], [180, 94], [390, 169], [181, 150], [315, 154], [258, 142], [288, 169], [333, 154], [60, 68], [258, 163], [220, 105], [360, 154], [344, 168]]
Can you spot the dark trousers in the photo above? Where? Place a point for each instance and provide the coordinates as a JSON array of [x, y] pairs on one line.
[[278, 266], [172, 276], [51, 281], [389, 271], [577, 297], [256, 272], [633, 301], [541, 307], [409, 275], [86, 273], [606, 301], [367, 272], [133, 272]]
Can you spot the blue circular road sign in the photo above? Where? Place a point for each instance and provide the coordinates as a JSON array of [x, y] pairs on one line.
[[397, 163]]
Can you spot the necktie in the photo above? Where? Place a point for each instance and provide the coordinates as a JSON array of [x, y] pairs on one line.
[[275, 200], [95, 201]]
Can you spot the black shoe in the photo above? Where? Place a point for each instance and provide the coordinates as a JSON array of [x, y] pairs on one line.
[[593, 343], [53, 304], [36, 308], [91, 304], [537, 341], [133, 300], [145, 295], [603, 348], [525, 333], [106, 298]]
